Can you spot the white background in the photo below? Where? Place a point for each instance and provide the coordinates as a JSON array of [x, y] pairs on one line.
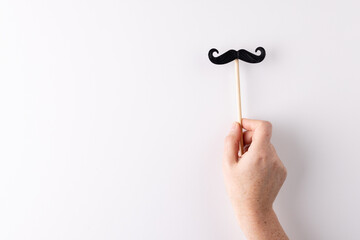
[[113, 118]]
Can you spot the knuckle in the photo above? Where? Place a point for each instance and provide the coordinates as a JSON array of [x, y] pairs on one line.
[[266, 127], [262, 156]]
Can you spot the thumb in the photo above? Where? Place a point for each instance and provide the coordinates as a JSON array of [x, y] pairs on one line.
[[232, 141]]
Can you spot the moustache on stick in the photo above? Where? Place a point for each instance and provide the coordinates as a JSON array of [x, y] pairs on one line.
[[241, 54]]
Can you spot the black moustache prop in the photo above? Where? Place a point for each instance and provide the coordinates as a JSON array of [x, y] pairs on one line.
[[241, 54]]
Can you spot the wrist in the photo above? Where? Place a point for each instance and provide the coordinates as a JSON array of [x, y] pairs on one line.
[[261, 225], [256, 216]]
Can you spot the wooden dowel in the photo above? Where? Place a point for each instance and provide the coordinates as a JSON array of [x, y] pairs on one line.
[[238, 96]]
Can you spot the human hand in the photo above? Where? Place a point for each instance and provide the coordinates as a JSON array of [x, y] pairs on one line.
[[254, 179]]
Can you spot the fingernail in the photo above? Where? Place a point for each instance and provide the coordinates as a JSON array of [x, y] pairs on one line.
[[234, 126]]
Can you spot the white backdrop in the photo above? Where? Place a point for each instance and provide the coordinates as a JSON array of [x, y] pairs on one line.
[[113, 118]]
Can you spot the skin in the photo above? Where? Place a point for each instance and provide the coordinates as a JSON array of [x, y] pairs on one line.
[[254, 179]]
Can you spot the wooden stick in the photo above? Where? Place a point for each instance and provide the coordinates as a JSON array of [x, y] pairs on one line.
[[238, 96]]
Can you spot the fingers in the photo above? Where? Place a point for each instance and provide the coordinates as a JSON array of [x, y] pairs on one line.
[[258, 134], [247, 135], [232, 142]]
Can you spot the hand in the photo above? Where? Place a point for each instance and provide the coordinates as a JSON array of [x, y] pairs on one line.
[[254, 179]]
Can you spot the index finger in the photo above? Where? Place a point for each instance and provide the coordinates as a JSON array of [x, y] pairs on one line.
[[261, 131]]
